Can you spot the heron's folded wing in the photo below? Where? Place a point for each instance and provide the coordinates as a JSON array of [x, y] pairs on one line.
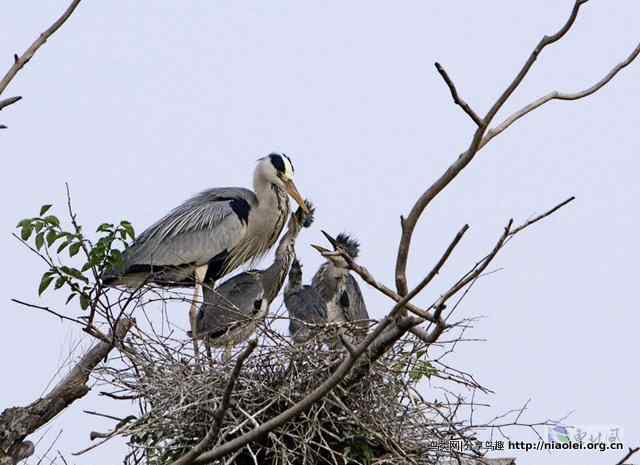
[[233, 301], [306, 305], [357, 309], [196, 231]]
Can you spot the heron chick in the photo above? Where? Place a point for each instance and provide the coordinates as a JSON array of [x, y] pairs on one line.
[[338, 289], [213, 233], [231, 312], [307, 311]]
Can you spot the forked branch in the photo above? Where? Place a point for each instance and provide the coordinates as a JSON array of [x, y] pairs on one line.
[[480, 139]]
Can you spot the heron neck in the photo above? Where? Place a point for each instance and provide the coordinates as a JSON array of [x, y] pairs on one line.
[[268, 194], [329, 280], [274, 276]]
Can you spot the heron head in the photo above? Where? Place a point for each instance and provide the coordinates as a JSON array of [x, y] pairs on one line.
[[295, 273], [277, 169], [305, 218], [343, 244]]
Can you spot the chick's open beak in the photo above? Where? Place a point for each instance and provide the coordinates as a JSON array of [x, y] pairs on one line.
[[331, 240], [321, 249], [292, 190]]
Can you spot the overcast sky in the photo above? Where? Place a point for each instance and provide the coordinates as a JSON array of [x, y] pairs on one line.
[[138, 105]]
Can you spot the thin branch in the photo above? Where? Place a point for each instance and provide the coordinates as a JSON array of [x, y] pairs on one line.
[[555, 95], [18, 422], [47, 309], [456, 98], [436, 269], [369, 279], [20, 61], [219, 414], [542, 216], [632, 450], [9, 101], [409, 224]]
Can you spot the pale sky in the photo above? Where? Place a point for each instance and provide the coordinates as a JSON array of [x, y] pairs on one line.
[[138, 105]]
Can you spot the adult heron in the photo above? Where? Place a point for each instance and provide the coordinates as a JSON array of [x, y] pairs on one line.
[[230, 312], [212, 233], [337, 288], [307, 310]]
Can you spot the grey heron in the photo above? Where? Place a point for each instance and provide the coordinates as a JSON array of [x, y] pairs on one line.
[[337, 288], [305, 306], [213, 233], [230, 312]]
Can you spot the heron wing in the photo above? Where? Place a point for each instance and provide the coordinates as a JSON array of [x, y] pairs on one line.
[[304, 304], [355, 309], [196, 231], [231, 302]]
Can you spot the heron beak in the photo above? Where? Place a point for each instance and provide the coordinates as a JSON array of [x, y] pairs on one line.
[[331, 240], [292, 190], [321, 249]]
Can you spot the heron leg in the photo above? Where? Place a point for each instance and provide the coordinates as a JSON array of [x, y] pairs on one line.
[[226, 356], [207, 347], [200, 273]]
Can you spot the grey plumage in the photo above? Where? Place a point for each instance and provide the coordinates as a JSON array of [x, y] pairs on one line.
[[219, 228], [305, 306], [211, 234], [231, 312], [337, 288]]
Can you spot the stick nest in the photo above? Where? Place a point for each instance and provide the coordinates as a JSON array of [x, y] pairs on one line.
[[380, 418]]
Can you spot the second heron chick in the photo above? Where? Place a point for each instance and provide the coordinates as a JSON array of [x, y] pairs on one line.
[[307, 310], [337, 288], [334, 295], [231, 312]]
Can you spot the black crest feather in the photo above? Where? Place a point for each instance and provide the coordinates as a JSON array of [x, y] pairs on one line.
[[349, 244]]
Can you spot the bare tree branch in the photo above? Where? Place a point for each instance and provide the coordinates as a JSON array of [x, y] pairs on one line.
[[632, 450], [16, 423], [456, 98], [20, 61], [404, 324], [48, 310], [555, 95], [9, 101], [541, 216], [409, 224]]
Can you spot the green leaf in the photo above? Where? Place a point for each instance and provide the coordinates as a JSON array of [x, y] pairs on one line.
[[117, 260], [75, 248], [26, 232], [52, 235], [74, 273], [86, 267], [24, 222], [84, 301], [39, 240], [44, 283], [105, 227], [44, 209], [60, 282], [63, 246], [38, 226], [52, 220], [128, 228]]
